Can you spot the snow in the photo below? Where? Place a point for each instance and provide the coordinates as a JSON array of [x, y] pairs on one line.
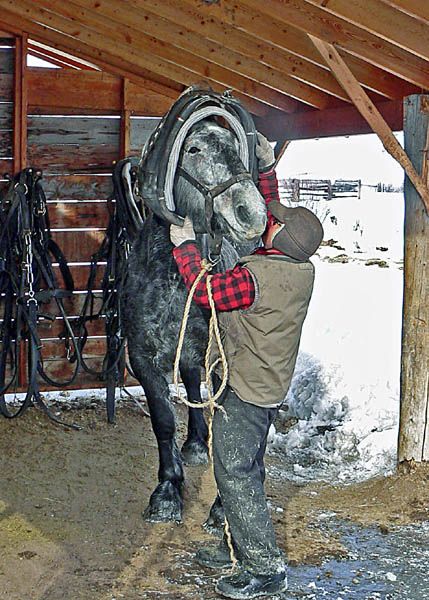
[[344, 395]]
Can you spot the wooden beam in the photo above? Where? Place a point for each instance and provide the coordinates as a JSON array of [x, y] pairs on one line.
[[185, 43], [125, 130], [329, 28], [20, 105], [64, 90], [20, 144], [187, 28], [382, 20], [262, 28], [327, 123], [144, 51], [369, 111], [414, 421], [109, 63], [58, 58], [414, 8]]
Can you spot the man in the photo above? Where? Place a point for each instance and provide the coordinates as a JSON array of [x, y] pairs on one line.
[[262, 303]]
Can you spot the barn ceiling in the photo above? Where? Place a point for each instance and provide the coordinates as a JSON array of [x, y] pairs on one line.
[[262, 50]]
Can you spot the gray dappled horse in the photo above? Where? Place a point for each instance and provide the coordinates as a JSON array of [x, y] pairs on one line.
[[155, 295]]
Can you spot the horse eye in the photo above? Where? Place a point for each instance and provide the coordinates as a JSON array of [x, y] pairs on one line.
[[193, 150]]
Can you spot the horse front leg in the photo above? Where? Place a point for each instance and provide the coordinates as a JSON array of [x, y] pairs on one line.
[[166, 501], [195, 449]]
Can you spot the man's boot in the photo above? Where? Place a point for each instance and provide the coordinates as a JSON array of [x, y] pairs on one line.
[[243, 585], [214, 557]]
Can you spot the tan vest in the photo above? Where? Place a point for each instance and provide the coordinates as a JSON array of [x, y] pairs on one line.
[[261, 343]]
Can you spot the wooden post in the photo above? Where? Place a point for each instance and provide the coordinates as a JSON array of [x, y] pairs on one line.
[[20, 145], [125, 120], [369, 111], [414, 420], [20, 105]]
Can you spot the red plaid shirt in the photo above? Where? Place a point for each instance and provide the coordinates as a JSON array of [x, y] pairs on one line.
[[234, 288]]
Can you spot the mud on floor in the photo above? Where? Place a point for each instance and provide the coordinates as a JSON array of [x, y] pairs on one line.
[[71, 525]]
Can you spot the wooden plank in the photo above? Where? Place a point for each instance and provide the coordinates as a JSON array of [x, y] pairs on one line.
[[20, 104], [72, 305], [6, 116], [52, 91], [47, 329], [144, 52], [271, 55], [6, 143], [383, 21], [80, 274], [141, 128], [19, 24], [6, 87], [6, 166], [55, 349], [6, 61], [414, 8], [65, 215], [58, 58], [260, 27], [77, 187], [115, 63], [72, 158], [328, 123], [58, 130], [78, 246], [369, 111], [73, 89], [332, 29], [137, 24], [414, 424]]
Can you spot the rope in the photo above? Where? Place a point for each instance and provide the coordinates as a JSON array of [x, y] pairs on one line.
[[214, 334]]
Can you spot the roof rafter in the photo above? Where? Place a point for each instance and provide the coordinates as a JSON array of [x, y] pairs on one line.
[[414, 8], [186, 19], [327, 27], [263, 28], [197, 53], [129, 60], [382, 20]]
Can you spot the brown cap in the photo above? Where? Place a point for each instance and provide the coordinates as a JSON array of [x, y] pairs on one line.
[[302, 232]]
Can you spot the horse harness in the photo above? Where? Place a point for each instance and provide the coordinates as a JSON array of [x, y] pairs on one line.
[[158, 165]]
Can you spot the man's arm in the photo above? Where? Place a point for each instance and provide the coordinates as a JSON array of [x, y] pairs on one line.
[[234, 289]]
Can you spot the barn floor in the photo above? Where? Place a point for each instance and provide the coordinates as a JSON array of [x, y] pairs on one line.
[[71, 525]]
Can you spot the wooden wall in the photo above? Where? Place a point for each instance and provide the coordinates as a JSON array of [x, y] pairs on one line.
[[7, 58], [75, 146]]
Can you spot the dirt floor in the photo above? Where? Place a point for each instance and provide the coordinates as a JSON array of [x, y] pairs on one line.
[[71, 526]]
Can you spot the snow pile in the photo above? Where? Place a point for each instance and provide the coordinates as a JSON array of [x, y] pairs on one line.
[[343, 403]]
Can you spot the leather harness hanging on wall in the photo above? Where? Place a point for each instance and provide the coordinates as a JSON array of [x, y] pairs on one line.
[[28, 280]]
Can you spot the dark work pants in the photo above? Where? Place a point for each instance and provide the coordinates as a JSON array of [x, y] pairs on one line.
[[239, 443]]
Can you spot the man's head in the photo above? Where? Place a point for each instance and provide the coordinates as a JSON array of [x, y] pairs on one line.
[[296, 232]]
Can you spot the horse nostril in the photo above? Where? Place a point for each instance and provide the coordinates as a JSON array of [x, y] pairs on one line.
[[242, 213]]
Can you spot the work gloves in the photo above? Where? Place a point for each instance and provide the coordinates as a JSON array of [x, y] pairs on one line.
[[264, 153], [179, 235]]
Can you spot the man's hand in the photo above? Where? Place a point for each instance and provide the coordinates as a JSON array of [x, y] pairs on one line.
[[264, 153], [179, 235]]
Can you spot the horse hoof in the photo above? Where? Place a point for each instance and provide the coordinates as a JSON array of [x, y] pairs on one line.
[[195, 453], [165, 504], [216, 520]]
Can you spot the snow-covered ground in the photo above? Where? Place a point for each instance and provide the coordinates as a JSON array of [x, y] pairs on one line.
[[345, 391]]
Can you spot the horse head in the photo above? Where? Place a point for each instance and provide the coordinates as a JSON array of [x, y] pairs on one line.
[[213, 188]]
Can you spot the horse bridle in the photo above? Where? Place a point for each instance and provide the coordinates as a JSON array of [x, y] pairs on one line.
[[158, 164], [214, 236]]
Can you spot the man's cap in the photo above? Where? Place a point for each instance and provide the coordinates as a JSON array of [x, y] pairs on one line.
[[302, 233]]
